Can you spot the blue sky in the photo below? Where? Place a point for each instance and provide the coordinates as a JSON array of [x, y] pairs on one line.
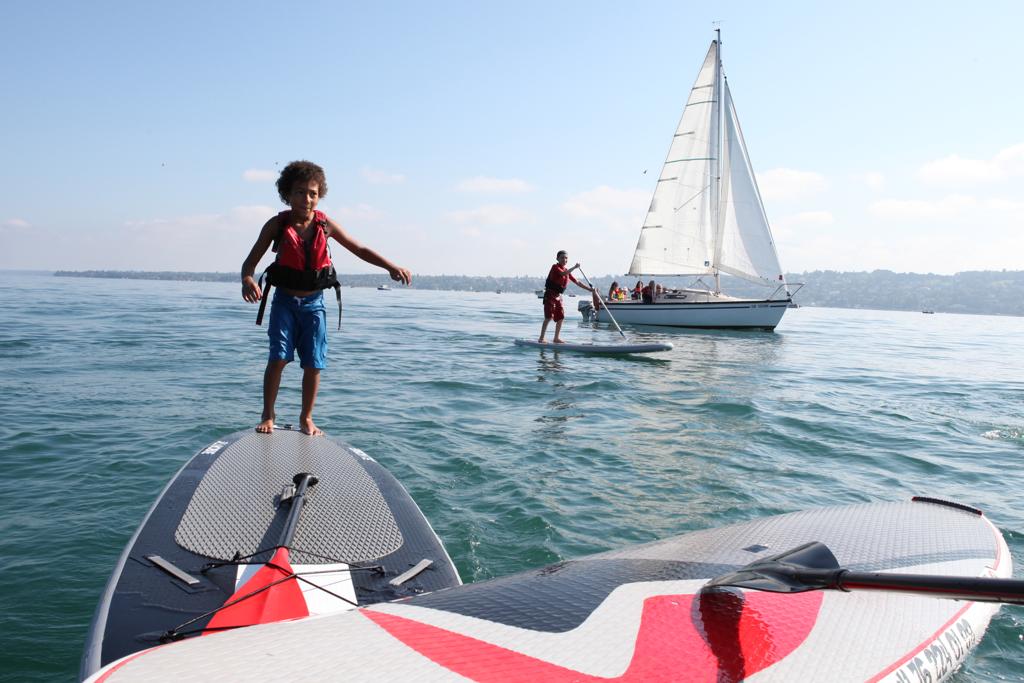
[[479, 138]]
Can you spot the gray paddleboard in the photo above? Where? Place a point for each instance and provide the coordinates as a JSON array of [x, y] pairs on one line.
[[652, 347], [359, 538]]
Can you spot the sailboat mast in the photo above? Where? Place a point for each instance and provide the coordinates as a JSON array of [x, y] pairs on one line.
[[716, 196]]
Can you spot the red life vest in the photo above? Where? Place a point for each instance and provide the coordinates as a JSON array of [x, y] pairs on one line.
[[303, 265], [557, 280]]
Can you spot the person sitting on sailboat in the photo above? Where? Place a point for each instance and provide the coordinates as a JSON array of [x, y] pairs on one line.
[[613, 292], [648, 293], [638, 290], [557, 280]]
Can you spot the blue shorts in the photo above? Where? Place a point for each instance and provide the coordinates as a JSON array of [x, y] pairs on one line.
[[298, 324]]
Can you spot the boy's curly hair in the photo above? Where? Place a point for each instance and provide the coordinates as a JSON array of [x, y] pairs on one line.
[[300, 171]]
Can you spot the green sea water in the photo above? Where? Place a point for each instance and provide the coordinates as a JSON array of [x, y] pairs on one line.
[[518, 457]]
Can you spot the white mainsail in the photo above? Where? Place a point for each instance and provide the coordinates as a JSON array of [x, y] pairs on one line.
[[706, 215], [678, 236]]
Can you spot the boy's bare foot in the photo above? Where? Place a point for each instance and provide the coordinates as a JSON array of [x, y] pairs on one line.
[[541, 341], [309, 428], [266, 426], [559, 341]]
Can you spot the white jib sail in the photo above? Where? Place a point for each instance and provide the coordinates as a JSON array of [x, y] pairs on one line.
[[678, 233], [745, 247]]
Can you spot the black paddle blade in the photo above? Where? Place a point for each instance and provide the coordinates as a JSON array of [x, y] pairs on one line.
[[812, 566], [808, 567]]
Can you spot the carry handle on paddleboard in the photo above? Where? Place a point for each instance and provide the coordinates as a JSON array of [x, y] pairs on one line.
[[601, 300], [302, 481]]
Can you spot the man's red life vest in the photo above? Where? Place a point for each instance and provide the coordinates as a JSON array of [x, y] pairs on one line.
[[557, 280]]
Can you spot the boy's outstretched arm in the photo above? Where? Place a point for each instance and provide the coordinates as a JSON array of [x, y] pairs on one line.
[[250, 289], [397, 273]]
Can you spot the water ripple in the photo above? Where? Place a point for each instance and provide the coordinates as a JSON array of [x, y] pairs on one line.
[[518, 457]]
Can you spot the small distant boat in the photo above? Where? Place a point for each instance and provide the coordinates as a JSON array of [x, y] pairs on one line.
[[383, 288], [928, 312], [539, 293], [497, 291]]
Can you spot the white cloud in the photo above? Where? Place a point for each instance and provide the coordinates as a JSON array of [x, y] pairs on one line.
[[783, 184], [1011, 160], [1008, 207], [258, 175], [874, 180], [194, 242], [493, 214], [799, 227], [609, 206], [951, 207], [956, 170], [600, 228], [376, 177], [360, 213], [251, 216], [948, 234], [809, 219], [497, 185], [17, 223]]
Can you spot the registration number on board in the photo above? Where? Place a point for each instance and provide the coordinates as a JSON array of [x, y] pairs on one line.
[[938, 660]]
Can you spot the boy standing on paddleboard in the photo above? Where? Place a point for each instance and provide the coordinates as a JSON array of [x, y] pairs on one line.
[[558, 280], [302, 270]]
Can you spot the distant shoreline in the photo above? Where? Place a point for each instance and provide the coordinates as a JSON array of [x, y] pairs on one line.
[[971, 292]]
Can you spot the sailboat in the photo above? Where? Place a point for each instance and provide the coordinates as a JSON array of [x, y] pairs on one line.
[[705, 220]]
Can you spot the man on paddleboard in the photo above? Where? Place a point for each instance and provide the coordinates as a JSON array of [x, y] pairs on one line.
[[558, 279]]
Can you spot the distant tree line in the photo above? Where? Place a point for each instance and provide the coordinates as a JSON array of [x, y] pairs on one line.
[[983, 292]]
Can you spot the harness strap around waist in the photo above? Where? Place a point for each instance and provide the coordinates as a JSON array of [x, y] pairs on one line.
[[266, 295], [337, 293], [263, 299]]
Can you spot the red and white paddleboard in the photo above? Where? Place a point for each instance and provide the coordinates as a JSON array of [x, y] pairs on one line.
[[639, 614]]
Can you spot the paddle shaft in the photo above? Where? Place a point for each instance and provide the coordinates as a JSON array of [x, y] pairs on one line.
[[978, 589], [302, 482], [601, 300]]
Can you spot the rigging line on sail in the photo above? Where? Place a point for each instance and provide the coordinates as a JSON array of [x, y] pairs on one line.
[[699, 193], [694, 104]]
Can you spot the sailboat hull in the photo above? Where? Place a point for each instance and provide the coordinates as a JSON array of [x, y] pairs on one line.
[[736, 314]]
